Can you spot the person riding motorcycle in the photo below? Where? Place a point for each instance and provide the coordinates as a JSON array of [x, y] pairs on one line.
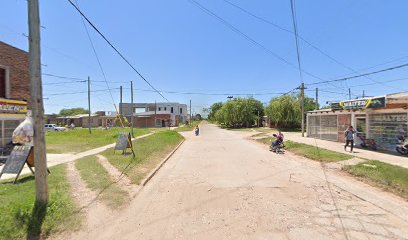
[[277, 142]]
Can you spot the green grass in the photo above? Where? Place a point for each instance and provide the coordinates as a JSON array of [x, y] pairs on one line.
[[19, 220], [150, 151], [98, 179], [185, 128], [79, 139], [311, 152], [386, 176]]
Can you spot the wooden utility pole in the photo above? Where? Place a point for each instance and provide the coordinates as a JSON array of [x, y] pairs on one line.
[[317, 98], [349, 94], [37, 107], [191, 119], [89, 105], [131, 96], [302, 100], [155, 112], [258, 118], [120, 102], [363, 94]]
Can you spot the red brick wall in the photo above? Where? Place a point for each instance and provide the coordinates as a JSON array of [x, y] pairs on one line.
[[147, 122], [17, 62]]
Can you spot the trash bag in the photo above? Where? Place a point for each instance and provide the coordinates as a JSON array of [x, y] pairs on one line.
[[24, 133]]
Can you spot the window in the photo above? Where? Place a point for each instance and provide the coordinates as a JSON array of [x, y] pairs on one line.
[[165, 109], [159, 108], [171, 110], [2, 83], [181, 111], [158, 122]]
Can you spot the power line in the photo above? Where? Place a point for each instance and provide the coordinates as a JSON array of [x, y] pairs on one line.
[[115, 49], [61, 83], [96, 55], [303, 39], [292, 7], [247, 37], [360, 75]]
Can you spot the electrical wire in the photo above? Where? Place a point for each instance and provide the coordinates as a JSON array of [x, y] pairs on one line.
[[360, 75], [292, 7], [247, 37], [115, 49]]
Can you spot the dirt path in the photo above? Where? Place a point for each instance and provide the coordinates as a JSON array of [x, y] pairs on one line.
[[220, 186], [120, 179], [95, 211]]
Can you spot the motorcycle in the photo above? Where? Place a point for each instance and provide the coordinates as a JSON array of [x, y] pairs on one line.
[[402, 146], [279, 148]]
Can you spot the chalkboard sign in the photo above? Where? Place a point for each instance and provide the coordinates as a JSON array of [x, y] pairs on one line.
[[124, 142], [15, 162]]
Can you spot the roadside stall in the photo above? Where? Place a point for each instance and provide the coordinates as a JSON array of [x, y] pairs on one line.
[[379, 121]]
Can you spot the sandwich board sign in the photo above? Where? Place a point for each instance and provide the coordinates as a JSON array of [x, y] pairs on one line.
[[15, 162], [124, 142]]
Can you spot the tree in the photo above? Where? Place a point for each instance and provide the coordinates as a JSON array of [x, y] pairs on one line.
[[213, 110], [72, 111], [198, 117], [239, 112], [285, 111]]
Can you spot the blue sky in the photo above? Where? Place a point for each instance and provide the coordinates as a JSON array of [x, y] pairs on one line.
[[179, 47]]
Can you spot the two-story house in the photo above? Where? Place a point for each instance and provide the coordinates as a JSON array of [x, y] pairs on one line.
[[160, 114]]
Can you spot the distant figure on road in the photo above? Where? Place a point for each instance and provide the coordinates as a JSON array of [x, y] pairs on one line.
[[349, 136], [197, 131], [72, 126]]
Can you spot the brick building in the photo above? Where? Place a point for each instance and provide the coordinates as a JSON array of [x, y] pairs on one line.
[[382, 119], [14, 90], [14, 74]]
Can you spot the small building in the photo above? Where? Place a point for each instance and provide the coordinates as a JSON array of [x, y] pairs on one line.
[[155, 114], [382, 119], [14, 90]]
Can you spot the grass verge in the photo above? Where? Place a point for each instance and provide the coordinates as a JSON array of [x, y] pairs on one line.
[[79, 139], [386, 176], [150, 151], [311, 152], [186, 128], [20, 218], [98, 179]]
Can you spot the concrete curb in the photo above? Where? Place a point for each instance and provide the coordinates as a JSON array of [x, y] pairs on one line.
[[152, 173]]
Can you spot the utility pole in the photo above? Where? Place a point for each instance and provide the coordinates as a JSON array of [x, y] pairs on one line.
[[302, 100], [363, 94], [155, 112], [191, 119], [89, 104], [349, 94], [131, 96], [120, 102], [40, 158], [317, 98], [258, 118]]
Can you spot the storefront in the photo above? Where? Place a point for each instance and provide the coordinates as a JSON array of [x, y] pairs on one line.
[[382, 119], [12, 113]]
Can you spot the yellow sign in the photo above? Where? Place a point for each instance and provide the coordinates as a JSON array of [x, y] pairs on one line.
[[12, 106]]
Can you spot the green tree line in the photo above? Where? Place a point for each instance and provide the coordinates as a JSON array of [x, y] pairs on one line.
[[282, 112]]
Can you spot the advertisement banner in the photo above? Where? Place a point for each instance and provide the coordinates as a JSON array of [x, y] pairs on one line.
[[12, 106], [359, 104]]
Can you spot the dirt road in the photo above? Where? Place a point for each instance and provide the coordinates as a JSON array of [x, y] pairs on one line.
[[221, 186]]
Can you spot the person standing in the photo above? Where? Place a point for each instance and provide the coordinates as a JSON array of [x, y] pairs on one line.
[[349, 136]]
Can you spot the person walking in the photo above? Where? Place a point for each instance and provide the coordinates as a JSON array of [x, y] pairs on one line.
[[349, 136]]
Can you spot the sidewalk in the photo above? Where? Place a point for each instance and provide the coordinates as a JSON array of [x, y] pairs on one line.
[[56, 159], [358, 152]]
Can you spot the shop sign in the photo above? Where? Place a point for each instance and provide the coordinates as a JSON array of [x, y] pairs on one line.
[[12, 106], [359, 104]]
